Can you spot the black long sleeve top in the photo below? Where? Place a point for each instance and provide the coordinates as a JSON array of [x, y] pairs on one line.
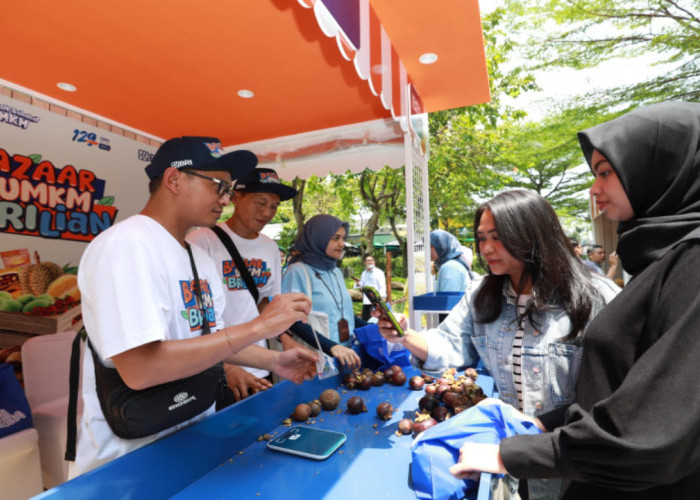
[[634, 431]]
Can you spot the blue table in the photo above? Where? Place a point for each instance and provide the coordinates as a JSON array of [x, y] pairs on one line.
[[221, 457]]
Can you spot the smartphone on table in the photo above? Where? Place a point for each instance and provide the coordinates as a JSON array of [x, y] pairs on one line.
[[308, 442], [373, 295]]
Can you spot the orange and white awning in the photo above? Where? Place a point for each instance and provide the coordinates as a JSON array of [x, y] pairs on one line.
[[178, 67]]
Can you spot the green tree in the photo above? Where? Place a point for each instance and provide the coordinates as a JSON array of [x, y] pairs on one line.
[[465, 142], [334, 194], [582, 34], [544, 157], [383, 194]]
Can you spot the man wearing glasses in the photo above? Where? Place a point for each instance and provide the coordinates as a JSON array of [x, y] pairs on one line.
[[142, 310]]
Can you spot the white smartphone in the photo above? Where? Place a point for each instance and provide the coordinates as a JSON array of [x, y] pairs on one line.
[[308, 442]]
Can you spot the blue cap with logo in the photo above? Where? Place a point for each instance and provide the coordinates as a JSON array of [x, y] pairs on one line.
[[200, 153], [264, 180]]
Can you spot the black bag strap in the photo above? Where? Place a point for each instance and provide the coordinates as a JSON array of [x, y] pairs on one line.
[[238, 260], [73, 382], [198, 291], [225, 397]]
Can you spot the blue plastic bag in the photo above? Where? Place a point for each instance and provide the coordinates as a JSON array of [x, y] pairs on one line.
[[436, 449], [15, 414], [378, 348]]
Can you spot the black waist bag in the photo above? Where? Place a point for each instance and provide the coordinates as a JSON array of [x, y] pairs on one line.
[[133, 414]]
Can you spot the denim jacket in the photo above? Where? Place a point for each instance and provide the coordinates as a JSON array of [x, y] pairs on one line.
[[550, 365]]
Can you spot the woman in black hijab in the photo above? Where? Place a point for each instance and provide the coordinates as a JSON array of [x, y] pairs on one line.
[[634, 431]]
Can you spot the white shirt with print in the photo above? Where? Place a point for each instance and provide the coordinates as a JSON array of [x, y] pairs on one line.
[[136, 283], [262, 258]]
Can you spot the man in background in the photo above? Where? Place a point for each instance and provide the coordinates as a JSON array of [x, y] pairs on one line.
[[596, 257], [374, 277]]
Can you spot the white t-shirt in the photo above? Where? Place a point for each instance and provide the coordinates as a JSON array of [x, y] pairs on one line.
[[262, 258], [374, 278], [136, 284]]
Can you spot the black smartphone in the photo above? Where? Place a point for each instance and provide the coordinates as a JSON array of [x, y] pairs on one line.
[[377, 301]]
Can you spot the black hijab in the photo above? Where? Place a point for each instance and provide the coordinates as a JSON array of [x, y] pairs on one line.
[[655, 151]]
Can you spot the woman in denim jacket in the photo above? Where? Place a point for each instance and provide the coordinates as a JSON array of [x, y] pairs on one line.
[[525, 319]]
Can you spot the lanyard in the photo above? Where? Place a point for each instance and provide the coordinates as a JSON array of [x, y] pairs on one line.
[[339, 306]]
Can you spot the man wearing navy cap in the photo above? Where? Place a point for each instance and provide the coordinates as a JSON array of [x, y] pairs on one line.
[[140, 305], [256, 197]]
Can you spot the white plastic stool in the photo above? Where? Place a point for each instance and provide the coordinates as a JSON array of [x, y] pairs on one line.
[[20, 467], [45, 365]]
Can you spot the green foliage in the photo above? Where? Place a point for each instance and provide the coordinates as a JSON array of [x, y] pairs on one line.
[[398, 270], [581, 34], [334, 194], [354, 264], [465, 143], [287, 235], [383, 194], [543, 157]]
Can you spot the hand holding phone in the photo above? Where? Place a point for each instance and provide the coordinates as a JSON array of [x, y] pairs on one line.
[[379, 304]]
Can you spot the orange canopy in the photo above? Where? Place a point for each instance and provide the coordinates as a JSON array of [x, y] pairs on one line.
[[168, 68]]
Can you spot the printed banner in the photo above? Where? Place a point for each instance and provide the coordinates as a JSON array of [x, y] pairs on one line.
[[63, 182]]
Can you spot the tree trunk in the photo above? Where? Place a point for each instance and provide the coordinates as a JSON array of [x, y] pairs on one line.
[[298, 203]]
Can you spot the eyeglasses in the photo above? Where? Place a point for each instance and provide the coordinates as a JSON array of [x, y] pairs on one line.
[[222, 187]]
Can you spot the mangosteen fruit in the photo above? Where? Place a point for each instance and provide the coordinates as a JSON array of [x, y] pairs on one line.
[[441, 390], [399, 378], [406, 426], [422, 425], [315, 407], [329, 399], [396, 369], [356, 405], [378, 379], [428, 403], [440, 413], [301, 412], [385, 411], [416, 383], [452, 399], [476, 399]]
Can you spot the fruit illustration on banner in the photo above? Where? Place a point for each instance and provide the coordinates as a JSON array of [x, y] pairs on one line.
[[42, 289], [36, 278], [66, 284]]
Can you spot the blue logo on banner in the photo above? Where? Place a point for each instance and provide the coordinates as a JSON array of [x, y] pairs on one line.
[[90, 139], [16, 117]]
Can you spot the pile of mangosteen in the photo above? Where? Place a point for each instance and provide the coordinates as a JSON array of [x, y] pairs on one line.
[[364, 380], [444, 397]]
